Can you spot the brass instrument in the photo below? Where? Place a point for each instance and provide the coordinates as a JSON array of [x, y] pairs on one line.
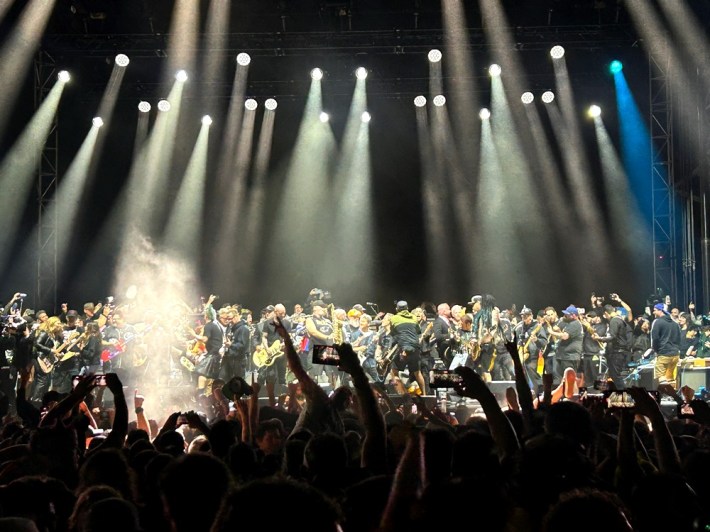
[[337, 326]]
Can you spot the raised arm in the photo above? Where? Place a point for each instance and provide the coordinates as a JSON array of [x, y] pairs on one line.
[[119, 428], [522, 386], [375, 445], [310, 389], [501, 430]]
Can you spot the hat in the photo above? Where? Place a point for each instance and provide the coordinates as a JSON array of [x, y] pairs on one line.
[[475, 299], [267, 309], [73, 313], [402, 305], [661, 307], [89, 306], [354, 313], [525, 310], [359, 307], [570, 310]]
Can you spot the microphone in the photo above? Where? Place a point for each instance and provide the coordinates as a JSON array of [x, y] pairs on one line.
[[22, 295], [370, 303]]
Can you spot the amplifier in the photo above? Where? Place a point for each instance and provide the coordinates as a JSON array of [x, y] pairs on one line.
[[694, 377]]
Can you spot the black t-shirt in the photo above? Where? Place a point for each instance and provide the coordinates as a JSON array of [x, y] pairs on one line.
[[269, 329]]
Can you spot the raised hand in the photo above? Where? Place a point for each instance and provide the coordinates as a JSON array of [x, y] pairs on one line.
[[349, 361], [137, 400], [471, 385], [645, 404]]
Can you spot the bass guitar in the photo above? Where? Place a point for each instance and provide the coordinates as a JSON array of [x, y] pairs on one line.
[[114, 350], [385, 362], [266, 356]]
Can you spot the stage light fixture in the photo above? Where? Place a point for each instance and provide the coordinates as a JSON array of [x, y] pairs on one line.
[[97, 121], [324, 117], [164, 106], [366, 117], [207, 120], [494, 70], [434, 56], [317, 74], [485, 114], [557, 52], [122, 60], [243, 59], [181, 76], [616, 66], [251, 104], [548, 96], [439, 100], [420, 101], [63, 76], [271, 104], [594, 111], [527, 98], [144, 107], [361, 73]]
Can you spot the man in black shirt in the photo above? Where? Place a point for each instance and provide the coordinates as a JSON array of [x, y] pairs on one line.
[[618, 345], [665, 341]]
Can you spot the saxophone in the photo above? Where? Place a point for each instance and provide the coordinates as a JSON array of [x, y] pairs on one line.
[[337, 326]]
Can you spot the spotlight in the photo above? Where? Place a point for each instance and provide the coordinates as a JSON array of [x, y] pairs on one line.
[[324, 117], [485, 114], [361, 73], [548, 96], [527, 98], [97, 122], [439, 100], [317, 74], [243, 59], [366, 117], [144, 107], [207, 120], [434, 56], [251, 104], [420, 101], [63, 76], [494, 70], [122, 60], [557, 52], [164, 106], [616, 66], [594, 111], [181, 76], [271, 104]]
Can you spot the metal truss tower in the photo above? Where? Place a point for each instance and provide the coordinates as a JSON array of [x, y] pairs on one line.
[[665, 257], [45, 73]]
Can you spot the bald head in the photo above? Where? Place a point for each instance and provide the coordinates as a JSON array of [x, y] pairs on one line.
[[444, 310]]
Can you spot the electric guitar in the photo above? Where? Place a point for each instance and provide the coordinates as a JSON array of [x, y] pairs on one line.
[[266, 356], [119, 347], [384, 363], [47, 363]]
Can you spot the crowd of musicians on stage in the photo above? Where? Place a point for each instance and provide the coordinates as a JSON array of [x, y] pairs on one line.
[[214, 343]]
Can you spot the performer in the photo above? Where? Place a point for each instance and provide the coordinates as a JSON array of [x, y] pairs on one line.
[[569, 348], [530, 345], [91, 348], [665, 341], [320, 332], [216, 343], [234, 362], [592, 348], [49, 337], [405, 331], [618, 340], [485, 324], [443, 334], [426, 344], [275, 373]]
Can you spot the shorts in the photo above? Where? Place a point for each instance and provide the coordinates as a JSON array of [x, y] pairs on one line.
[[409, 360]]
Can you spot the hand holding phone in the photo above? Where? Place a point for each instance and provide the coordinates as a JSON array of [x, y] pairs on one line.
[[325, 354]]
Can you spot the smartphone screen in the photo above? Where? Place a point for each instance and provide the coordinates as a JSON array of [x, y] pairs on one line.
[[325, 354], [100, 380], [443, 378]]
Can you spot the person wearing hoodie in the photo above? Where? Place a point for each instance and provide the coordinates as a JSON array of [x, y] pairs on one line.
[[665, 342], [405, 331]]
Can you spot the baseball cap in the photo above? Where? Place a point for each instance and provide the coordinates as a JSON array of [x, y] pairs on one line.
[[525, 310], [661, 307], [267, 309], [354, 313], [570, 310], [402, 305], [476, 299]]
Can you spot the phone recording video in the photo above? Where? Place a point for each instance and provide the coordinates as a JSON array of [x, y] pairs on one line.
[[325, 354], [100, 380], [443, 378], [616, 399]]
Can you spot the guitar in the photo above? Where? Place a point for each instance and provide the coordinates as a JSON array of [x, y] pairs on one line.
[[46, 365], [266, 356], [384, 363], [119, 347]]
